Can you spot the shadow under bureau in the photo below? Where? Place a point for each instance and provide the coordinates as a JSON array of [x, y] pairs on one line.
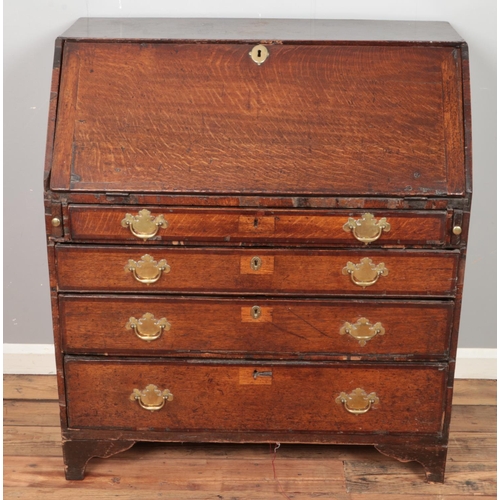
[[257, 232]]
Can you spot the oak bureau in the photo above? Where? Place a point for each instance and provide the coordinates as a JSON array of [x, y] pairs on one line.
[[257, 232]]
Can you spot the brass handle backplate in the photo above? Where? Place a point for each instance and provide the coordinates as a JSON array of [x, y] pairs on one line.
[[362, 330], [144, 225], [151, 398], [148, 327], [147, 270], [367, 229], [366, 273], [358, 401]]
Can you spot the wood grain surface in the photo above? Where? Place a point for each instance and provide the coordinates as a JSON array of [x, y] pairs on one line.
[[204, 118], [215, 327], [210, 396], [214, 270], [93, 222]]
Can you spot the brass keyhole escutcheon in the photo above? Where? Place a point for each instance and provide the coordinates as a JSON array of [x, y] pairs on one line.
[[256, 312], [256, 263], [259, 54]]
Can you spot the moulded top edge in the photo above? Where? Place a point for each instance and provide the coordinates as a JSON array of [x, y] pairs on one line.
[[277, 30]]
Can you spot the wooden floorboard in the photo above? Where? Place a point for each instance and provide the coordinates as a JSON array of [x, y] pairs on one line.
[[33, 467]]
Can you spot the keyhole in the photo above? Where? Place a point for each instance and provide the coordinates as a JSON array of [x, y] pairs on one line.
[[256, 312], [256, 263], [259, 54]]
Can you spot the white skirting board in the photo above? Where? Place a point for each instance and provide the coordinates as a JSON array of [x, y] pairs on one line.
[[38, 359]]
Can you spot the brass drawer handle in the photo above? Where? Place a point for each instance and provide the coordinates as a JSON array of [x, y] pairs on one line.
[[366, 273], [358, 401], [147, 270], [367, 229], [151, 398], [148, 328], [144, 225], [362, 330]]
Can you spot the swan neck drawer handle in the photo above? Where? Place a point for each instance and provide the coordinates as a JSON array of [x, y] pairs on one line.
[[358, 401], [147, 270], [366, 273], [144, 225], [151, 398], [367, 229], [362, 330], [148, 328]]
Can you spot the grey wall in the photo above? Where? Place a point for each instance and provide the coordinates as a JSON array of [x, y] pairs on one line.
[[30, 27]]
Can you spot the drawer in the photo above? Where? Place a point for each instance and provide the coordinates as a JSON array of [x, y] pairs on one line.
[[320, 119], [395, 398], [257, 271], [251, 328], [184, 225]]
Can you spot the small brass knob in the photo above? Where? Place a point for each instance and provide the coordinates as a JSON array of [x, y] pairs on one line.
[[56, 222], [457, 230]]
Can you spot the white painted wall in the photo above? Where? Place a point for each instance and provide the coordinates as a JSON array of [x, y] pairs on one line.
[[30, 27]]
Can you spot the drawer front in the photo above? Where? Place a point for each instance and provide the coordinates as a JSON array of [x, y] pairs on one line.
[[253, 328], [255, 397], [160, 224], [387, 273], [313, 119]]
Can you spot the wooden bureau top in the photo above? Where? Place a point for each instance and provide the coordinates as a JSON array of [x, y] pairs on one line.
[[336, 108], [250, 30]]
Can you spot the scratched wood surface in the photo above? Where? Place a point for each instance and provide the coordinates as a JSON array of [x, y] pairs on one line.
[[204, 118], [215, 270], [33, 465], [213, 396], [292, 329]]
